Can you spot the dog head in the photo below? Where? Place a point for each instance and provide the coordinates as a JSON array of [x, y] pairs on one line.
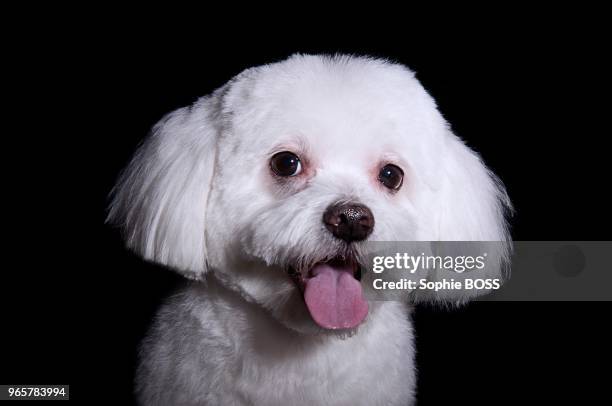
[[275, 181]]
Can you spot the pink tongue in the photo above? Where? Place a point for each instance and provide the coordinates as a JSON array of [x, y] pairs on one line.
[[334, 298]]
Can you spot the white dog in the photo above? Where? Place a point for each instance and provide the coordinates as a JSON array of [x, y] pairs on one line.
[[264, 193]]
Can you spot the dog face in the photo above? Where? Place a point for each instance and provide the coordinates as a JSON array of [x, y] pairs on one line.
[[276, 181]]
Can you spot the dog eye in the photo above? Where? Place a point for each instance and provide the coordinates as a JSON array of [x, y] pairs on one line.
[[285, 164], [391, 176]]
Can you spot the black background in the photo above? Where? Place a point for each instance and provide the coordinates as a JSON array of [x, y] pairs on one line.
[[529, 97]]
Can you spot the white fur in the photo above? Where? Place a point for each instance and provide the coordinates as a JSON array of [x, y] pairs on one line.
[[199, 197]]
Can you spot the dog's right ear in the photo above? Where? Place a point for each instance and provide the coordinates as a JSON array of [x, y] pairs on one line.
[[160, 199]]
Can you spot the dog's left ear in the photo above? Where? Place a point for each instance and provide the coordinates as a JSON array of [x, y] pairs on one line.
[[161, 197], [471, 205], [473, 201]]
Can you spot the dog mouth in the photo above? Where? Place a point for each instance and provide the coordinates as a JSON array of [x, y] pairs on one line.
[[332, 292]]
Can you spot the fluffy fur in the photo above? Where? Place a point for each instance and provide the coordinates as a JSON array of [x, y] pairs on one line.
[[199, 197]]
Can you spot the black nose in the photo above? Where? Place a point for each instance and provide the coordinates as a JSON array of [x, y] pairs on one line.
[[349, 221]]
